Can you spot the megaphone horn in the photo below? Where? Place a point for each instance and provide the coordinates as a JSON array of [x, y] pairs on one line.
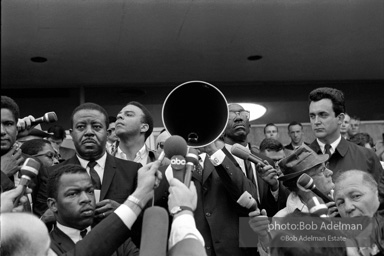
[[196, 111]]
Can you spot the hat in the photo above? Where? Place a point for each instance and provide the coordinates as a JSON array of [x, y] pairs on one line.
[[300, 161]]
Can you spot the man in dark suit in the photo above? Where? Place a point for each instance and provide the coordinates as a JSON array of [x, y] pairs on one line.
[[222, 181], [114, 179], [71, 198], [326, 113]]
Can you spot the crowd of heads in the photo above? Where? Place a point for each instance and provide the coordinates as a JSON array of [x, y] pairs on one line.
[[70, 190]]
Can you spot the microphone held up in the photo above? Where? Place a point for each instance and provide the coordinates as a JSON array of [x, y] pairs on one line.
[[29, 170], [49, 117], [306, 183]]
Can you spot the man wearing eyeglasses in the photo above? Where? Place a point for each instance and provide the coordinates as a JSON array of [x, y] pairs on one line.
[[42, 150], [220, 183]]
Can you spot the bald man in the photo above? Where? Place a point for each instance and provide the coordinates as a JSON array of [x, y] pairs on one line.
[[24, 234]]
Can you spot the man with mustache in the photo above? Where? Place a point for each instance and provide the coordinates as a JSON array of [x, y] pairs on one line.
[[114, 179], [326, 113]]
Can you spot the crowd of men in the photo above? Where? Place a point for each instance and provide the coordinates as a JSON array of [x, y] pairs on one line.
[[91, 200]]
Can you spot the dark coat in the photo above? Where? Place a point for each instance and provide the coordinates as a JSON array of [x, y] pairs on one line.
[[110, 237], [119, 181], [349, 156], [217, 213]]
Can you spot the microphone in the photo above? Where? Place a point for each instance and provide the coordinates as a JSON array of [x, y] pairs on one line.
[[175, 148], [306, 183], [48, 117], [246, 200], [29, 170], [244, 153], [192, 159], [317, 207], [154, 232], [175, 145]]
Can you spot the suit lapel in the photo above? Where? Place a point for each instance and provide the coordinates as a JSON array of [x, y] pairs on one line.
[[64, 243], [109, 173]]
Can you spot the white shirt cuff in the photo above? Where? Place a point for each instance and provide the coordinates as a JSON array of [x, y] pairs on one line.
[[126, 215], [217, 158], [184, 227]]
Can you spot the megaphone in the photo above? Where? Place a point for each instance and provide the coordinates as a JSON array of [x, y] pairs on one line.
[[197, 111]]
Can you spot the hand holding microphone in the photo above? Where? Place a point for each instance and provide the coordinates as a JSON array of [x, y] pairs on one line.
[[29, 170], [175, 148], [29, 121], [306, 183]]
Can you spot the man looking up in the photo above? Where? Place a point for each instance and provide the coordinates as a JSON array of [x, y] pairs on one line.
[[133, 126], [326, 113]]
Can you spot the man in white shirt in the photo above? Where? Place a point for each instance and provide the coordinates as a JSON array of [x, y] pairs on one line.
[[326, 113], [133, 126]]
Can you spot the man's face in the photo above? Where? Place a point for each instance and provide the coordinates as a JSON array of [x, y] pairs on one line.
[[354, 197], [75, 203], [324, 123], [129, 122], [8, 130], [345, 125], [271, 132], [112, 132], [89, 133], [47, 156], [353, 127], [296, 134], [238, 123], [322, 178]]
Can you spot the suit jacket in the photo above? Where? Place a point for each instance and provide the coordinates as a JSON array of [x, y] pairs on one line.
[[110, 237], [217, 213], [349, 156], [119, 181]]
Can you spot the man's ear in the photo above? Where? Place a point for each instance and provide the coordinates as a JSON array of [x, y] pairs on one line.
[[70, 131], [51, 202], [341, 117], [144, 127]]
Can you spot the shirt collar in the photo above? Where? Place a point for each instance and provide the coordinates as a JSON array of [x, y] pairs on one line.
[[72, 233], [333, 144], [100, 161], [294, 202]]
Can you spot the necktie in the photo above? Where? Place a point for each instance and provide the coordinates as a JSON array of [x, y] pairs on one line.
[[327, 150], [83, 233], [249, 171], [113, 149], [94, 176]]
